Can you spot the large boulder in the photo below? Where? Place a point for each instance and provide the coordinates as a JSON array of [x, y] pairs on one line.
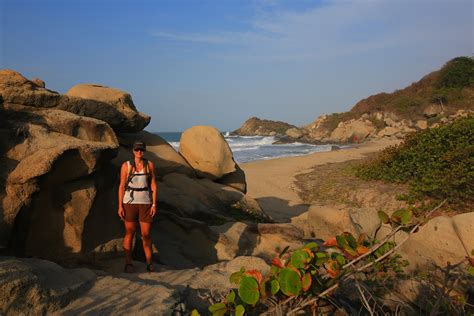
[[206, 200], [206, 150], [39, 287], [388, 131], [324, 221], [294, 133], [53, 169], [349, 130], [316, 130], [108, 104], [163, 155], [235, 180], [432, 110], [438, 242], [15, 88]]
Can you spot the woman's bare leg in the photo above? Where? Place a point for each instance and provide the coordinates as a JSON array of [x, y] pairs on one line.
[[130, 228], [146, 240]]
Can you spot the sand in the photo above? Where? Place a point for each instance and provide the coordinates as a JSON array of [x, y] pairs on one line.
[[272, 182]]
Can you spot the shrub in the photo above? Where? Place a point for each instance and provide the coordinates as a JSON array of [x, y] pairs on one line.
[[437, 163], [457, 73], [334, 119]]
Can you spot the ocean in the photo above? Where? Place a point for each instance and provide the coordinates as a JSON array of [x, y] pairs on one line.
[[252, 148]]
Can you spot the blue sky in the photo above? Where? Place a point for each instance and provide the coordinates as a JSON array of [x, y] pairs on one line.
[[218, 63]]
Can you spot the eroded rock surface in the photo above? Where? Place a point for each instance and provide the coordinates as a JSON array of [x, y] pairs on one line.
[[39, 287]]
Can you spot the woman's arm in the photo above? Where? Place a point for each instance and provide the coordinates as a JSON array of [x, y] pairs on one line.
[[154, 187], [121, 189]]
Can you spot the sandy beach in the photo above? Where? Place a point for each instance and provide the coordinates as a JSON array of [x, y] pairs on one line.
[[272, 182]]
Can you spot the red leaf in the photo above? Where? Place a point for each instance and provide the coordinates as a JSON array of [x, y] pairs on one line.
[[331, 242], [309, 252], [277, 263], [332, 268], [471, 261], [257, 275], [306, 281], [362, 250]]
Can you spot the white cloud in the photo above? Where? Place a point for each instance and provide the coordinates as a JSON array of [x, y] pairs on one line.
[[341, 28]]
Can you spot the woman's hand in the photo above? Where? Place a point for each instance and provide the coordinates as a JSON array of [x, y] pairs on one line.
[[121, 212], [152, 210]]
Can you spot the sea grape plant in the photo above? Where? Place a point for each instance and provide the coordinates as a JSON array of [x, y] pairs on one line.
[[310, 274], [306, 272]]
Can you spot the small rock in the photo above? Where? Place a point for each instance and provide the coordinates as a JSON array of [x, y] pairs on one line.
[[422, 124]]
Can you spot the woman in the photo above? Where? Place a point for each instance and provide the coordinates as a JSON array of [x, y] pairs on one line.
[[137, 202]]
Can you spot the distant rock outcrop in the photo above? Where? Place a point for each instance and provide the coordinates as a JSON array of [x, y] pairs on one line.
[[437, 98], [255, 126]]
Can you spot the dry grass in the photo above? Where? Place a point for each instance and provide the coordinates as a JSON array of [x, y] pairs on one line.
[[336, 183]]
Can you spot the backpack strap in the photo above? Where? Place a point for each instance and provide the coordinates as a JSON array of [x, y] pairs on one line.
[[146, 170]]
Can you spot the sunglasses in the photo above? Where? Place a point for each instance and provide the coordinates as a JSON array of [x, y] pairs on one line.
[[139, 149]]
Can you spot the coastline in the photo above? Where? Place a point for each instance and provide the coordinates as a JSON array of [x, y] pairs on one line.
[[272, 182]]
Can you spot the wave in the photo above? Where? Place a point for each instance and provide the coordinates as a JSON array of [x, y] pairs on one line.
[[252, 148]]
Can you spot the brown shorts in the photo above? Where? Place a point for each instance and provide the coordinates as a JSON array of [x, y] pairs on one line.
[[134, 212]]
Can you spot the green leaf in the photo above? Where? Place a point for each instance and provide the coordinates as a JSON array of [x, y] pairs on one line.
[[341, 241], [340, 259], [470, 270], [218, 309], [239, 310], [230, 298], [383, 217], [402, 216], [274, 287], [321, 258], [195, 313], [248, 290], [299, 258], [351, 252], [386, 247], [351, 240], [312, 245], [236, 277], [290, 283]]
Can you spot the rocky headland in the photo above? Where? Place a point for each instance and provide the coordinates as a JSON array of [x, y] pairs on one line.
[[61, 238], [438, 98]]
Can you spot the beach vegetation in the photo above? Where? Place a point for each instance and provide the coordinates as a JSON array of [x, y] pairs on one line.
[[305, 280], [457, 73], [378, 123], [333, 120], [437, 163]]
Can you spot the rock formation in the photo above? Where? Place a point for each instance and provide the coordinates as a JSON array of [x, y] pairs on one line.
[[255, 126], [206, 150], [61, 156]]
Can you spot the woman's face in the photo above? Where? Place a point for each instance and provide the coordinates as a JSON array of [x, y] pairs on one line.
[[138, 153]]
